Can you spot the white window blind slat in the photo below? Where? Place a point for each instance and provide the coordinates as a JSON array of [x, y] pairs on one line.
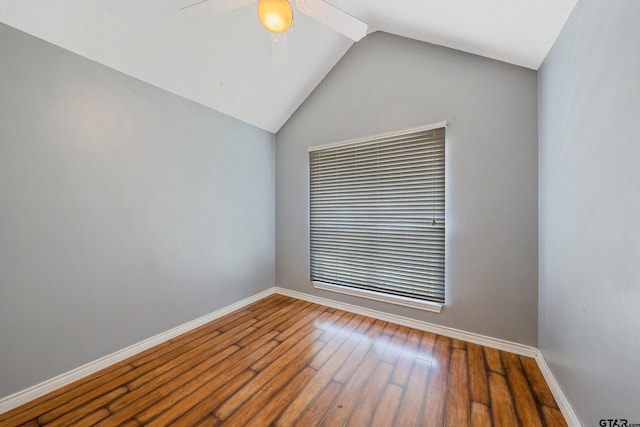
[[373, 205], [418, 156]]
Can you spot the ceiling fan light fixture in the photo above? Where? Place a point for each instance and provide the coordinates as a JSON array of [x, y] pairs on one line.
[[275, 15]]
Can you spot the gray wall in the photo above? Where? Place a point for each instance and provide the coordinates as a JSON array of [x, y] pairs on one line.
[[589, 89], [124, 210], [386, 83]]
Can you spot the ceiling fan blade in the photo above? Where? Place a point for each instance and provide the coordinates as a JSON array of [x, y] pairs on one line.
[[210, 8], [333, 17], [279, 49]]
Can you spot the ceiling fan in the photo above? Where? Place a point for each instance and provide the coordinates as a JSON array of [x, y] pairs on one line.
[[277, 17]]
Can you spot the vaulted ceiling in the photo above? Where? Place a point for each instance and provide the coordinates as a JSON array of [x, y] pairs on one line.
[[225, 62]]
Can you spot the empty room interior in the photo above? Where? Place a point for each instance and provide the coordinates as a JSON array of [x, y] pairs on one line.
[[320, 213]]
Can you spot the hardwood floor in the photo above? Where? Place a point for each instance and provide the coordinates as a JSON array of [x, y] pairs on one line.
[[284, 362]]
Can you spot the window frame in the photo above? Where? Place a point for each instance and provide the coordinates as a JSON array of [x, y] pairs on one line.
[[420, 304]]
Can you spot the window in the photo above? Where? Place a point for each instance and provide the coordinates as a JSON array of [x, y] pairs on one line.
[[377, 216]]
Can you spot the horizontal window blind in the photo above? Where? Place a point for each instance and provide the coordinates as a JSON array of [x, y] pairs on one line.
[[378, 214]]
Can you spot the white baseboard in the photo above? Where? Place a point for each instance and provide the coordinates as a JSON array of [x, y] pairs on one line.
[[484, 340], [20, 398], [561, 399]]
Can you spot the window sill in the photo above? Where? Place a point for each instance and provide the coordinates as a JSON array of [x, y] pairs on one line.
[[378, 296]]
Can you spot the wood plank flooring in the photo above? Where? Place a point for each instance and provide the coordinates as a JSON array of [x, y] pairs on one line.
[[286, 362]]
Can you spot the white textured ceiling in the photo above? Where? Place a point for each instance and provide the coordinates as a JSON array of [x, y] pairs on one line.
[[225, 62]]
